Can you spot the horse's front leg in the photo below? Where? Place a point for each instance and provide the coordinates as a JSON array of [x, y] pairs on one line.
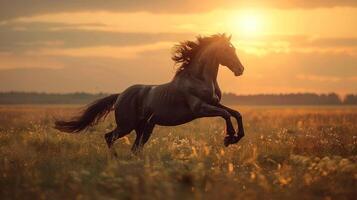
[[202, 109], [207, 110], [238, 117]]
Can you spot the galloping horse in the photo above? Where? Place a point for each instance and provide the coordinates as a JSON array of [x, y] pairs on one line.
[[192, 93]]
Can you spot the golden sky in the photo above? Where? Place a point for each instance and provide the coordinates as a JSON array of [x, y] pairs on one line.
[[105, 46]]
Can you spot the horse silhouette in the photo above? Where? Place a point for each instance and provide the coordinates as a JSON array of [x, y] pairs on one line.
[[192, 93]]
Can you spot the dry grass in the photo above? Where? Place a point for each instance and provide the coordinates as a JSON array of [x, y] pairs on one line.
[[288, 152]]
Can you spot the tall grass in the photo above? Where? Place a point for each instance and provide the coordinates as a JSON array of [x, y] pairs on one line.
[[293, 153]]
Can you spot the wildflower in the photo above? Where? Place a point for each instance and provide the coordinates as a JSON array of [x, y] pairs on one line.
[[230, 167]]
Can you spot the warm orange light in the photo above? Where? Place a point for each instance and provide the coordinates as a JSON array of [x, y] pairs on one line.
[[248, 22]]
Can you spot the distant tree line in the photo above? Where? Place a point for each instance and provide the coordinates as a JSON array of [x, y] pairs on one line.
[[350, 99], [227, 98], [290, 99]]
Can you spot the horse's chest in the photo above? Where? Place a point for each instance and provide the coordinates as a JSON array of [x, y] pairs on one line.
[[209, 93]]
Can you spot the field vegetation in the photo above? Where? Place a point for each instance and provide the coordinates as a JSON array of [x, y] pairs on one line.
[[288, 152]]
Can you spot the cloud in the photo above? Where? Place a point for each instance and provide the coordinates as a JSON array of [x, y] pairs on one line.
[[23, 37], [267, 44], [271, 73], [17, 8], [328, 42], [326, 64], [20, 37], [102, 51], [293, 72], [110, 61], [91, 74], [305, 77]]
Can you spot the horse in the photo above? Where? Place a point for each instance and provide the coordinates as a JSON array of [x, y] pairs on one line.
[[192, 93]]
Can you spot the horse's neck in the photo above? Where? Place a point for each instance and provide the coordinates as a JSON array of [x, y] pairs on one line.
[[206, 68]]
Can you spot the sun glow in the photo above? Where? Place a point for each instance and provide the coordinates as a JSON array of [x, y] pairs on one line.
[[248, 23]]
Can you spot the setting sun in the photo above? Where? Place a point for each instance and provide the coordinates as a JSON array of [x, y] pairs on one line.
[[248, 22]]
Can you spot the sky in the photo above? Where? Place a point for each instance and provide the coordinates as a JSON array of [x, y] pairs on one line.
[[106, 46]]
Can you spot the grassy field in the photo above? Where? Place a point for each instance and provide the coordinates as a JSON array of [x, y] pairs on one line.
[[288, 152]]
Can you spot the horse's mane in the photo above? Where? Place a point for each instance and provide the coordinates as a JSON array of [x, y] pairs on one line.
[[185, 52]]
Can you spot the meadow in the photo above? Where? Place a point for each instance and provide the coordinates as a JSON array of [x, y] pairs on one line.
[[287, 153]]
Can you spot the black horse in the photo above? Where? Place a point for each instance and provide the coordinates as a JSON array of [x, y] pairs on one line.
[[193, 93]]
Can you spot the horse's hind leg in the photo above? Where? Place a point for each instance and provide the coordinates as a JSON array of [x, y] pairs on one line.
[[115, 134], [125, 118], [143, 134]]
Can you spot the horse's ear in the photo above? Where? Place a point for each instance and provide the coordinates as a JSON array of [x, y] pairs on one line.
[[229, 37]]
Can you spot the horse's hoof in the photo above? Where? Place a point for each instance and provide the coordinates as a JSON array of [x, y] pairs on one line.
[[229, 140], [226, 143]]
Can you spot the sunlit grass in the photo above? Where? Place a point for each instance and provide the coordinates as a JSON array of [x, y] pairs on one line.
[[287, 153]]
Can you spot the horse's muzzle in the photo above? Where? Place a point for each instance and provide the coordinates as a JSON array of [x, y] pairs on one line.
[[239, 72]]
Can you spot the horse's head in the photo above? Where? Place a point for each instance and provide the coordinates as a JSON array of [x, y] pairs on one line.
[[217, 47], [226, 56]]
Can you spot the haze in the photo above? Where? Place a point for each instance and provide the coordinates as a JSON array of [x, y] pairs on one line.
[[97, 46]]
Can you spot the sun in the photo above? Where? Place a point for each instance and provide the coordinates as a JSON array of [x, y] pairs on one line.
[[248, 23]]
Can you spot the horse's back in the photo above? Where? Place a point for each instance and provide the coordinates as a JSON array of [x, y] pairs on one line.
[[166, 103]]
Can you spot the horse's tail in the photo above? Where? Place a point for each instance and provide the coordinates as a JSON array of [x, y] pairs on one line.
[[90, 116]]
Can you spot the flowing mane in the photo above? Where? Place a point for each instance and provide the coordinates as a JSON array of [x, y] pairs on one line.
[[185, 52]]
